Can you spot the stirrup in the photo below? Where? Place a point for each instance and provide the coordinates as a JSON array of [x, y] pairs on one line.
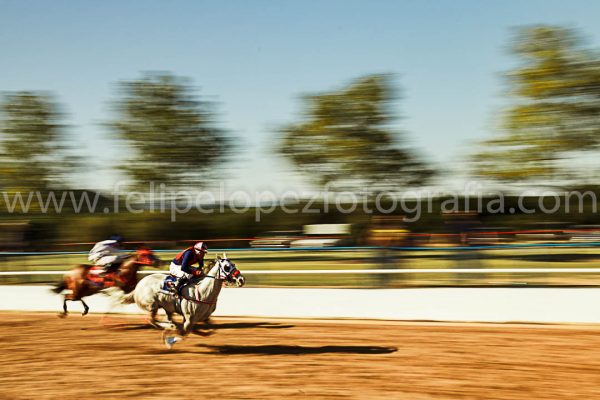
[[174, 290]]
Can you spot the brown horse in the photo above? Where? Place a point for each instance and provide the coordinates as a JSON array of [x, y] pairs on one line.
[[84, 280]]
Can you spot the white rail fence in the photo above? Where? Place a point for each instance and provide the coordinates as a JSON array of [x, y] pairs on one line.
[[364, 271], [563, 305], [539, 305]]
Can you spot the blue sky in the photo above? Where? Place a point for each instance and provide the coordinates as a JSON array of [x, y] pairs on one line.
[[254, 58]]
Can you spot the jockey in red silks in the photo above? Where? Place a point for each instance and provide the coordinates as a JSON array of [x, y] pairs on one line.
[[182, 265]]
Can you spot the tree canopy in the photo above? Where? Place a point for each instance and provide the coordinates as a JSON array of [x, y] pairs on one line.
[[556, 110], [346, 139], [173, 134], [32, 140]]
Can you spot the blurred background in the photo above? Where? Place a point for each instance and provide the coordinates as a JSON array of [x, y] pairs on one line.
[[460, 129]]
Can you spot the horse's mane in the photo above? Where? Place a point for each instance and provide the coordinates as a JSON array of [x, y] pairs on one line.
[[206, 269], [127, 258], [133, 254]]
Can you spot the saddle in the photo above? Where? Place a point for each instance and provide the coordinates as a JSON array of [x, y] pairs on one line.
[[104, 281], [168, 285]]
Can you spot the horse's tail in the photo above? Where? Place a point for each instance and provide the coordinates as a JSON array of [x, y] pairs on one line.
[[128, 298], [60, 286]]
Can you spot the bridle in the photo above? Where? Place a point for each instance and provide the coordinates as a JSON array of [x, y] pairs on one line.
[[220, 272], [234, 272]]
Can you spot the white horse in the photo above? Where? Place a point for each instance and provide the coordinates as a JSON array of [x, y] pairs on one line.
[[198, 301]]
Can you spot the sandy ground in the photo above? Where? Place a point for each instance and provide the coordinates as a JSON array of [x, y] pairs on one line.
[[45, 357]]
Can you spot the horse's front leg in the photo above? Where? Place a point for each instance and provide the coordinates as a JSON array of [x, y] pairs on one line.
[[186, 327], [169, 336], [85, 307], [170, 317], [153, 321], [188, 324], [207, 320], [190, 327]]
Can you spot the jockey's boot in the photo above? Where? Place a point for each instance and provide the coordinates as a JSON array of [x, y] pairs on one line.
[[180, 284]]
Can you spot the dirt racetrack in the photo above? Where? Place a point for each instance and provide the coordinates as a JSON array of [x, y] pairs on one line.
[[44, 357]]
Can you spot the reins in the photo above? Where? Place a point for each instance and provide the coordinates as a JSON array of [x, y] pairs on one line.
[[183, 296]]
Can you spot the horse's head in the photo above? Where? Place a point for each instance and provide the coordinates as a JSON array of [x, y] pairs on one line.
[[229, 272], [146, 257]]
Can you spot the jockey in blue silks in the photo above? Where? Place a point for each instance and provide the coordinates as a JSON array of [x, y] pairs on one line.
[[182, 266]]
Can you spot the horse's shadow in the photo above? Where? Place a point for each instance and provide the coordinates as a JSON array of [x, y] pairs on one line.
[[244, 325], [211, 326], [279, 349], [136, 327]]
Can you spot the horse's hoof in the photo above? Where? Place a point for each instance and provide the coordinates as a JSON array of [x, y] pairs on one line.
[[170, 339], [84, 313], [62, 315]]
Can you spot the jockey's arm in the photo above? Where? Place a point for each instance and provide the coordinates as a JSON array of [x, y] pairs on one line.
[[186, 264]]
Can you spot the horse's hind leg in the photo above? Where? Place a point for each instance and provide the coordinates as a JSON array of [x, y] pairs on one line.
[[152, 320], [65, 312], [85, 307], [170, 317]]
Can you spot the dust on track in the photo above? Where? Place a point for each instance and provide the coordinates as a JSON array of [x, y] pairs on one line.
[[45, 357]]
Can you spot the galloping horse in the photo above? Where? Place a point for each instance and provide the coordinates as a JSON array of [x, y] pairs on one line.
[[198, 298], [84, 280]]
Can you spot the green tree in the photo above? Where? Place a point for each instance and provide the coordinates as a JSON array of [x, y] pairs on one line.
[[347, 139], [556, 91], [31, 155], [172, 134]]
